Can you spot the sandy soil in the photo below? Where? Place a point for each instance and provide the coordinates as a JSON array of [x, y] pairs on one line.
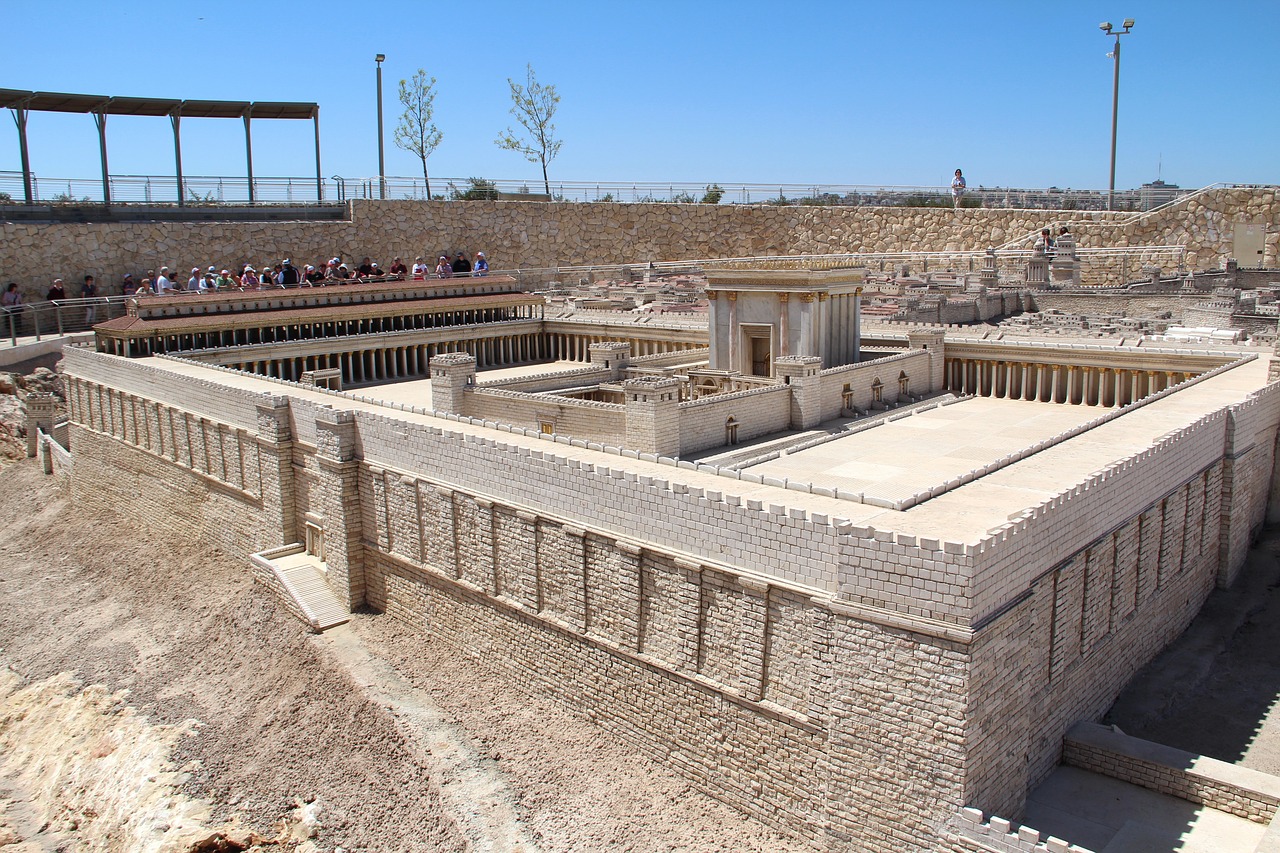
[[238, 720]]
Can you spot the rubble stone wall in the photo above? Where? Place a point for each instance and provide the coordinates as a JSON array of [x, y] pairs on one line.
[[544, 234]]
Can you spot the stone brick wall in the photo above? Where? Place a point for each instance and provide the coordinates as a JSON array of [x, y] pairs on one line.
[[534, 234], [977, 832], [790, 708], [1248, 471], [758, 411], [1117, 305], [585, 419], [1053, 658], [1025, 548], [1226, 787], [859, 378]]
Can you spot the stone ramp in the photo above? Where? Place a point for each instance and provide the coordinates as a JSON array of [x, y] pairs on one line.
[[298, 580]]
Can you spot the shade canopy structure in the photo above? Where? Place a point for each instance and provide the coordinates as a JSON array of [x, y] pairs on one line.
[[22, 103]]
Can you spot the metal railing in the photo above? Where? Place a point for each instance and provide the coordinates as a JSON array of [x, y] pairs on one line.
[[59, 317], [214, 190]]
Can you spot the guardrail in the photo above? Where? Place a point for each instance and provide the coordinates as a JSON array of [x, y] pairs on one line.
[[214, 190], [59, 317]]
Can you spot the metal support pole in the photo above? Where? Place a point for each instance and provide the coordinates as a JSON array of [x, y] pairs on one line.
[[20, 119], [315, 119], [100, 119], [1115, 113], [382, 170], [248, 149], [175, 118]]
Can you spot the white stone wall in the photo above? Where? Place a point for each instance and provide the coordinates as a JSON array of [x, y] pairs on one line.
[[860, 377], [584, 419], [757, 411]]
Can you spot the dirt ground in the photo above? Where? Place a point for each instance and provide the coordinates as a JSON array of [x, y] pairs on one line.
[[151, 694]]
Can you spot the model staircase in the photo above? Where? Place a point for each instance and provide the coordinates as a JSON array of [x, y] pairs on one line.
[[298, 579]]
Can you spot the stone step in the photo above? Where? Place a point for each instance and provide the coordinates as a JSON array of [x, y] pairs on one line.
[[300, 579]]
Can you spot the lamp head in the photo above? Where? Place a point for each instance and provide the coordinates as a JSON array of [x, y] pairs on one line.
[[1105, 27], [380, 57], [1128, 23]]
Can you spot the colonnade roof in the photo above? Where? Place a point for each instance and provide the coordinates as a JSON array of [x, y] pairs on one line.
[[130, 325]]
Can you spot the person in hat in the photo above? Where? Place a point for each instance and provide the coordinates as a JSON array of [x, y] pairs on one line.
[[443, 269], [313, 276], [193, 283], [398, 269], [289, 275], [482, 266], [249, 278], [460, 265], [127, 287]]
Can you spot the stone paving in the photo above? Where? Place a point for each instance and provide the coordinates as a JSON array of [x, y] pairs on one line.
[[1109, 816]]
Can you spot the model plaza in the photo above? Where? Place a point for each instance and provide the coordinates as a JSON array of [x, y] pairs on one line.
[[863, 584]]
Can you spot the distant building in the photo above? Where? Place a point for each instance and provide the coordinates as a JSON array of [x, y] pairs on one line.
[[1157, 193]]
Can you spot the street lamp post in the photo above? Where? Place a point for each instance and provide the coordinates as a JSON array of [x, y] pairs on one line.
[[382, 166], [1115, 103]]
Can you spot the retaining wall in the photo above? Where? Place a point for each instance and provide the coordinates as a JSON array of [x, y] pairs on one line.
[[536, 234]]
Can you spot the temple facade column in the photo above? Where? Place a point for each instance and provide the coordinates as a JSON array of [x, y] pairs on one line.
[[784, 327], [732, 297]]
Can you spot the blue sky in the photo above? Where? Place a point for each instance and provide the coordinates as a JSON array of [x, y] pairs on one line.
[[1016, 94]]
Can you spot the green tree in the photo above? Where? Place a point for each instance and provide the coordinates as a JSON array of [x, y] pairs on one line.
[[414, 132], [478, 189], [533, 105], [714, 194]]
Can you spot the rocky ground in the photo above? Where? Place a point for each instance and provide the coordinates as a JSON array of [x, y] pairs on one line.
[[153, 697]]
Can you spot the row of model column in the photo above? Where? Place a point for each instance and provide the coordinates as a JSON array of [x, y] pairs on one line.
[[1057, 383], [403, 362], [566, 347]]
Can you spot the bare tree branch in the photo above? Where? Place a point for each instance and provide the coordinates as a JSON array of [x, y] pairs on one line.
[[414, 132], [533, 105]]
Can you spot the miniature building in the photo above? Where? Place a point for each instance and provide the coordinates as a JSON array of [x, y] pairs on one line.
[[758, 316], [858, 635]]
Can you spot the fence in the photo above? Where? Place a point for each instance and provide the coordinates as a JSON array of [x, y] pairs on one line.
[[200, 190], [57, 318]]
